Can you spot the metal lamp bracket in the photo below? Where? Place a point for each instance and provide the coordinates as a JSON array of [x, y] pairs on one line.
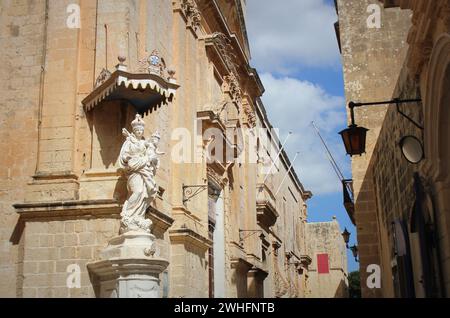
[[190, 191], [251, 232], [396, 101]]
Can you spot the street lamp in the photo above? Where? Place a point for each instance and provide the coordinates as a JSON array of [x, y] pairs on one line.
[[354, 137], [346, 235], [354, 250]]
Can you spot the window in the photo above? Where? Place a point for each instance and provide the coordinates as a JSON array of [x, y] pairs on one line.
[[323, 266]]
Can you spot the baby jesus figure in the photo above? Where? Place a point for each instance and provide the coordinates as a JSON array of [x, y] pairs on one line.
[[153, 153]]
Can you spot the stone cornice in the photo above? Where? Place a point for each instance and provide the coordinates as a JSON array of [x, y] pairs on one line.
[[87, 208], [160, 219], [92, 208], [241, 264]]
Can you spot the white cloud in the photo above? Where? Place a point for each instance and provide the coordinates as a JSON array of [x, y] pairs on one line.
[[292, 105], [288, 34]]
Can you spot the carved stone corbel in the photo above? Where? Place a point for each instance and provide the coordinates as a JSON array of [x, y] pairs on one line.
[[231, 85], [250, 114]]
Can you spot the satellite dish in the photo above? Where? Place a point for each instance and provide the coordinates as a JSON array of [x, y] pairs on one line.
[[412, 149]]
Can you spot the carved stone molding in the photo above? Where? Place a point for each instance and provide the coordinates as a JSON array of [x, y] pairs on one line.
[[190, 11], [189, 237], [231, 85], [215, 176], [129, 267], [280, 282], [102, 77], [250, 114], [68, 209], [155, 64], [222, 50], [425, 19], [226, 50]]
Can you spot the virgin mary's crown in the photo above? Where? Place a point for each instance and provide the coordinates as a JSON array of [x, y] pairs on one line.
[[138, 122]]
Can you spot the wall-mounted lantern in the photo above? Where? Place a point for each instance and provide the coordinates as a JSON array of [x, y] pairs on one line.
[[346, 235], [354, 137], [354, 250]]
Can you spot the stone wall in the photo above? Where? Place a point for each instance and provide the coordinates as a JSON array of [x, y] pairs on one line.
[[51, 247], [420, 73], [21, 38], [370, 74], [394, 176]]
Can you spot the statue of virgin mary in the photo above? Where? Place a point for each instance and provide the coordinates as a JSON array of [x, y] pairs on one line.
[[136, 159]]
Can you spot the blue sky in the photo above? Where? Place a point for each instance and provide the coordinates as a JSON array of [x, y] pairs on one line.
[[295, 51]]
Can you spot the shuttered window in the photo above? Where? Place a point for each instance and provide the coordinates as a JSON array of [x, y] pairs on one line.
[[323, 266]]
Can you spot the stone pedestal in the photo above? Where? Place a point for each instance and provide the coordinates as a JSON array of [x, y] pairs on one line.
[[129, 268]]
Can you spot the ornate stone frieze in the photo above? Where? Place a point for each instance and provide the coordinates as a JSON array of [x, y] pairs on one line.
[[426, 16], [231, 82]]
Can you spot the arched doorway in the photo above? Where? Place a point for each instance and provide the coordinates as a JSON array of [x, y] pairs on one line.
[[437, 148]]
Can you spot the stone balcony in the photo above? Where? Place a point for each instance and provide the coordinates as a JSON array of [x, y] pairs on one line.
[[265, 206]]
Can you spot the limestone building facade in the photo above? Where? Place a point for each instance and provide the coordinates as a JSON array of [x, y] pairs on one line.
[[230, 215], [328, 270], [401, 209]]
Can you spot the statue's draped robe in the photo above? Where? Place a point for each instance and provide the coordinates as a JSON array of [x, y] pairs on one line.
[[141, 184]]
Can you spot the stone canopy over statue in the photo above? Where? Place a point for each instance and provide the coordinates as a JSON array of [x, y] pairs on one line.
[[139, 158]]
